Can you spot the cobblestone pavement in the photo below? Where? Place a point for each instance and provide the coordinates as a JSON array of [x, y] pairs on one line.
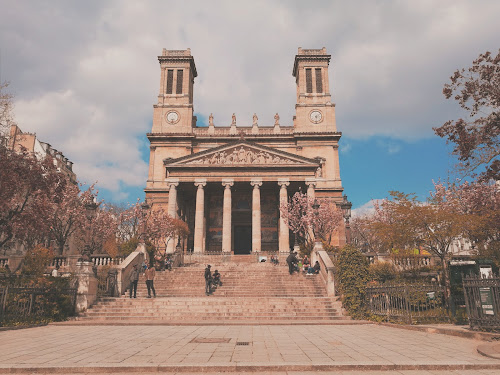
[[233, 348]]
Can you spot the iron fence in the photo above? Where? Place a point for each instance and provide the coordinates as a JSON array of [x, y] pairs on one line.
[[482, 300], [22, 303], [107, 283], [408, 303]]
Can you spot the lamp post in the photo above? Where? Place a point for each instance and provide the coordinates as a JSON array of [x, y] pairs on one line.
[[90, 211], [315, 207], [145, 209], [346, 211]]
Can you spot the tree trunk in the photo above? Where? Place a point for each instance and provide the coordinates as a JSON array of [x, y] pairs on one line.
[[446, 279]]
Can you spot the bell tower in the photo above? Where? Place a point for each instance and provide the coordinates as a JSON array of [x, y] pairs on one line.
[[174, 111], [314, 110]]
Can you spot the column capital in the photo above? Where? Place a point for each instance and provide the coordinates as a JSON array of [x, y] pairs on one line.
[[201, 183], [256, 182], [283, 182], [228, 183], [311, 182], [172, 182]]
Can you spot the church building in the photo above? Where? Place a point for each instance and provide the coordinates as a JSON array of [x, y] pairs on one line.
[[227, 182]]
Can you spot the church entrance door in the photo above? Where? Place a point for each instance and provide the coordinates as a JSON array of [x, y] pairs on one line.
[[242, 239]]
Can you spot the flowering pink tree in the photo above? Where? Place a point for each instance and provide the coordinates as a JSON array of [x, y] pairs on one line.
[[97, 227], [27, 188], [68, 215], [306, 223], [161, 228]]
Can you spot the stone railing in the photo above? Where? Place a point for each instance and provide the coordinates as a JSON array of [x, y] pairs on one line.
[[326, 271], [247, 130], [4, 261], [125, 268], [106, 260]]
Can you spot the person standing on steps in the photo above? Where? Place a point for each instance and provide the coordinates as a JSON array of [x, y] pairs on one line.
[[134, 278], [208, 280], [150, 276], [292, 260]]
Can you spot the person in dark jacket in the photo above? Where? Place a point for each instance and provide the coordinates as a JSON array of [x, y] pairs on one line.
[[208, 281], [134, 278], [314, 269], [216, 279], [292, 261]]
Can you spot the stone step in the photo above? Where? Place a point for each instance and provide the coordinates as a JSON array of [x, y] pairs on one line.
[[250, 292]]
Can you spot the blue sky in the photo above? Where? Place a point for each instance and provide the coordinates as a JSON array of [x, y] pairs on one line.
[[90, 90]]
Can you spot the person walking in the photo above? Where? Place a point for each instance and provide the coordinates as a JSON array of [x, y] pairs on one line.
[[150, 276], [208, 280], [134, 278]]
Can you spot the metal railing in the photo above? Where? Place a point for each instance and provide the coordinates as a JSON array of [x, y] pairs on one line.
[[482, 300], [20, 303], [408, 303], [107, 283]]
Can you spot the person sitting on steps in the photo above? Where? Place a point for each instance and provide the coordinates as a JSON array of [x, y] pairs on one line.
[[314, 269], [305, 263], [216, 279], [275, 260]]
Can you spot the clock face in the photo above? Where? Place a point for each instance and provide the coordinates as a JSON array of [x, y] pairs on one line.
[[172, 117], [316, 116]]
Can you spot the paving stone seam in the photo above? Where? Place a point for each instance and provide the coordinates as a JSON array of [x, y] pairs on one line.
[[244, 367]]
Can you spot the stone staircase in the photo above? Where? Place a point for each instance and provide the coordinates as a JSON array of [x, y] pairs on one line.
[[251, 292]]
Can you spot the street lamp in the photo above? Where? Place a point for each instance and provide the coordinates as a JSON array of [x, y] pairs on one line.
[[90, 212], [145, 209], [346, 211], [315, 207]]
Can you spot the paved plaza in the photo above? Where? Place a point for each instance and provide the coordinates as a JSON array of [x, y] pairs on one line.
[[280, 349]]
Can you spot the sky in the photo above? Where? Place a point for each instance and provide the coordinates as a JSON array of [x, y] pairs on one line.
[[85, 76]]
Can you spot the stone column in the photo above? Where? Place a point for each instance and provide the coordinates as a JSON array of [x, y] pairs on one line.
[[172, 208], [226, 215], [199, 215], [284, 240], [256, 216], [311, 184]]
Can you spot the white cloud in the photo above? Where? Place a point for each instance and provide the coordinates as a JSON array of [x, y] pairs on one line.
[[366, 209], [86, 75]]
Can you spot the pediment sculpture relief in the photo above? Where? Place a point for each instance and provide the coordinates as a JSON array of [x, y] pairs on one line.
[[242, 155]]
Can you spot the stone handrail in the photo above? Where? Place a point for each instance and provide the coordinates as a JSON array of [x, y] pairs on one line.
[[327, 271], [125, 268], [106, 260], [226, 130]]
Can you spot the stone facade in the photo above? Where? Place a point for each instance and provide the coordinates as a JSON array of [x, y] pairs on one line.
[[227, 182], [19, 140]]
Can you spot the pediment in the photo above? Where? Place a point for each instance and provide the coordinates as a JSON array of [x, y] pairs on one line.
[[242, 153]]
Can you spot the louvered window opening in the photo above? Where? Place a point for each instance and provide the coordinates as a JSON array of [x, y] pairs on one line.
[[309, 86], [319, 80], [170, 80], [180, 74]]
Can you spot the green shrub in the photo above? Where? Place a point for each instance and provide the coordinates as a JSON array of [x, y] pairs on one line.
[[382, 272], [352, 278], [35, 262]]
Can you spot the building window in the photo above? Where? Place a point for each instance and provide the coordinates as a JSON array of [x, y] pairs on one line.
[[309, 86], [178, 89], [319, 80], [170, 80]]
